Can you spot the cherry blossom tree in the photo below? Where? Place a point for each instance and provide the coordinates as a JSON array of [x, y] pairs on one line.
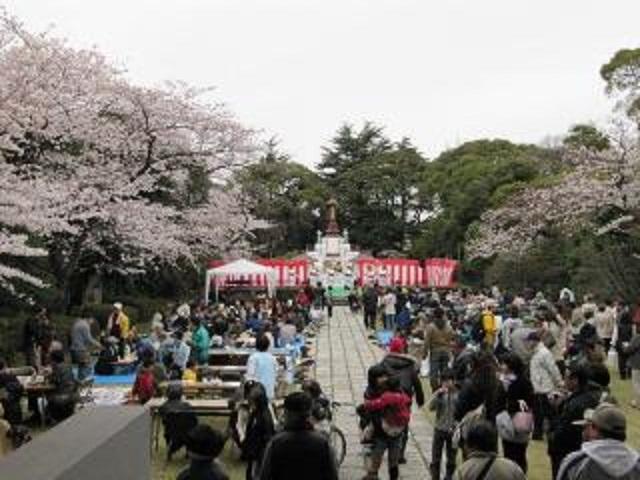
[[593, 181], [99, 166]]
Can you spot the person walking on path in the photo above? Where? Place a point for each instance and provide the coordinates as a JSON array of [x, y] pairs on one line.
[[633, 351], [405, 367], [438, 340], [443, 402], [370, 307]]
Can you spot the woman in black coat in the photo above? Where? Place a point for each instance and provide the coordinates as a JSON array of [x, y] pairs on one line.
[[260, 429], [519, 397], [625, 334]]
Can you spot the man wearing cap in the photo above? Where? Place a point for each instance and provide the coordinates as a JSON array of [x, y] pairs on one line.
[[545, 377], [603, 455], [298, 451]]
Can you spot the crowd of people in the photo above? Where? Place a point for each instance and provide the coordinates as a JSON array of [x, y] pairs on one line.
[[502, 368], [517, 368]]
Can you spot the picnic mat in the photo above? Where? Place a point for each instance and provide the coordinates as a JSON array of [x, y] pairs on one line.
[[384, 337], [128, 379]]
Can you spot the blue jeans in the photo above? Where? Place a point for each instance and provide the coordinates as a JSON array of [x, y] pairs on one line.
[[82, 359], [389, 321]]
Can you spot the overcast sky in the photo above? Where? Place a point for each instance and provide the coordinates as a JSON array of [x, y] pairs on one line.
[[438, 71]]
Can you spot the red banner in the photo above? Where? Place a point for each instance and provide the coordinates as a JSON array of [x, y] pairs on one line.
[[440, 272], [389, 272], [290, 274]]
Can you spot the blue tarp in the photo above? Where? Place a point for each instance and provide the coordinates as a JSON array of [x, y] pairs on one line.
[[114, 379], [384, 337]]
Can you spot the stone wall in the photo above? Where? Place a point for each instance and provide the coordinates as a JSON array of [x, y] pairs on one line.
[[97, 443]]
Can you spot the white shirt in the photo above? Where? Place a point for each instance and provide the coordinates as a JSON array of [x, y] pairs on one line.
[[389, 301]]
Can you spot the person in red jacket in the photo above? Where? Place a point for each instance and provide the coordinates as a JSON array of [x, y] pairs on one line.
[[395, 408]]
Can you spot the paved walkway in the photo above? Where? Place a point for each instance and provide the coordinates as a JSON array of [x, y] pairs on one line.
[[344, 354]]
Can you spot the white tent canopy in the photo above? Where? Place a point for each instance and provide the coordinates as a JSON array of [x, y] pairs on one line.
[[240, 268]]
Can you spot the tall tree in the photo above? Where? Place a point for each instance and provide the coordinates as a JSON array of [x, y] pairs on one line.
[[376, 183], [285, 194]]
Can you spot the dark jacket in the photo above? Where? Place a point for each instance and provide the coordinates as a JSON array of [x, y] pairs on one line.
[[519, 389], [370, 300], [406, 369], [299, 452], [473, 394], [565, 437], [633, 350], [11, 391], [260, 429], [203, 470]]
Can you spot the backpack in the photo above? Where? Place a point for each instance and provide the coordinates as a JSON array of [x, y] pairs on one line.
[[145, 385]]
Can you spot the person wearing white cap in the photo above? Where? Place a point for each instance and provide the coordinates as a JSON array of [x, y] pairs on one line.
[[604, 455]]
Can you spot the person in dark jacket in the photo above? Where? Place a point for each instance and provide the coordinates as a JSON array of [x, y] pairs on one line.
[[298, 451], [178, 419], [204, 444], [482, 388], [623, 339], [399, 364], [564, 436], [370, 307], [260, 430], [11, 391], [519, 397], [62, 400]]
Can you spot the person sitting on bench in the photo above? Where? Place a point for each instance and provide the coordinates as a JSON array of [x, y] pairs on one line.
[[178, 419]]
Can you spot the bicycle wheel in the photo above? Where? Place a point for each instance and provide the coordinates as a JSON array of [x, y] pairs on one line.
[[338, 443]]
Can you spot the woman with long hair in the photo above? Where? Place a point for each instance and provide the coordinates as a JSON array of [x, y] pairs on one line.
[[519, 397], [260, 429]]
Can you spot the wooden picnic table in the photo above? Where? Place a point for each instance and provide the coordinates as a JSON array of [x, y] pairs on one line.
[[211, 389], [201, 407]]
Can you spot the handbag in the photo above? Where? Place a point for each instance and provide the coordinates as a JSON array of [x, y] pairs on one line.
[[505, 426]]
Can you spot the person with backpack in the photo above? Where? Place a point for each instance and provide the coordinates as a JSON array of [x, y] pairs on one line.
[[604, 454], [481, 456], [405, 367], [395, 407]]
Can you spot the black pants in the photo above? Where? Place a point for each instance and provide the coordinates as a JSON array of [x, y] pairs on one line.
[[623, 368], [442, 439], [541, 410], [330, 311], [516, 452], [369, 319]]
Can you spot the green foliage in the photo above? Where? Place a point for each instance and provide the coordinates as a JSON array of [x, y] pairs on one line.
[[587, 136], [622, 75], [464, 182], [287, 195], [377, 185]]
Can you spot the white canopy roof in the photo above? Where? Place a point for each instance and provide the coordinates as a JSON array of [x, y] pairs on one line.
[[241, 267]]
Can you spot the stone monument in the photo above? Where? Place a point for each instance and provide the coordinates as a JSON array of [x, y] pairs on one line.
[[332, 260]]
